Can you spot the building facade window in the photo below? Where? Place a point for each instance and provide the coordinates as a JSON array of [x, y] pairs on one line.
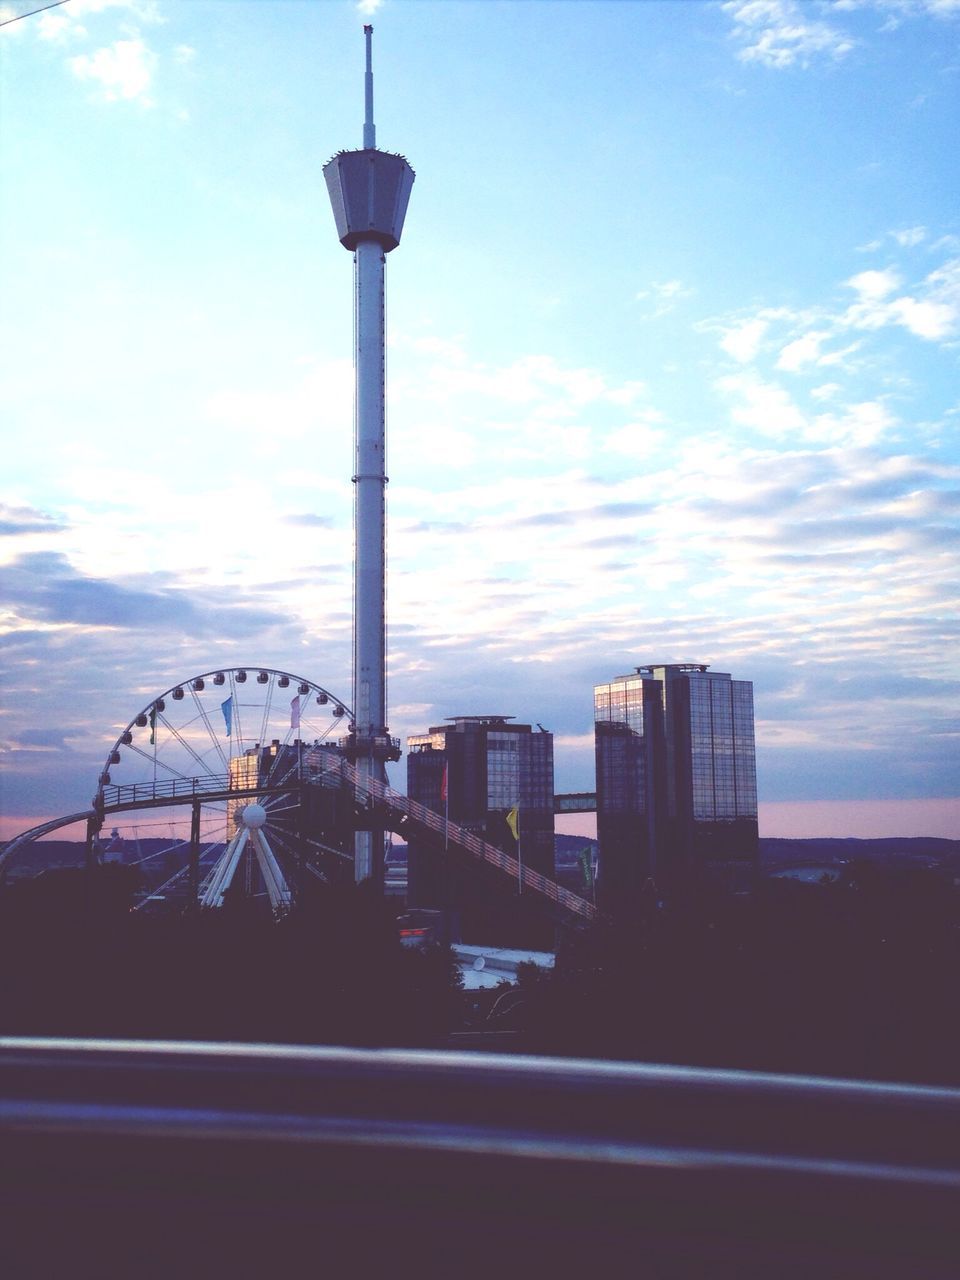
[[676, 775]]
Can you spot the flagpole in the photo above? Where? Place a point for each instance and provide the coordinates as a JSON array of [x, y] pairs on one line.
[[519, 857], [447, 877], [445, 797], [513, 822]]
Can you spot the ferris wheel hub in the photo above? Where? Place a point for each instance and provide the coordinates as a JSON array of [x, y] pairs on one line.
[[253, 816]]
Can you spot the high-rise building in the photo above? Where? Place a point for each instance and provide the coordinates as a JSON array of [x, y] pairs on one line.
[[475, 770], [676, 780]]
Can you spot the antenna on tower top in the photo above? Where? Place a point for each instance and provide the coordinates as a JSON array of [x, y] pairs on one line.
[[369, 132]]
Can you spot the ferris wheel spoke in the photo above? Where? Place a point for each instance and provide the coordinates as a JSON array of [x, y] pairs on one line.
[[327, 731], [267, 703], [210, 730], [289, 770], [279, 762], [190, 743], [169, 849], [164, 720], [235, 718], [162, 889], [280, 841], [327, 848], [277, 811], [151, 759], [281, 802]]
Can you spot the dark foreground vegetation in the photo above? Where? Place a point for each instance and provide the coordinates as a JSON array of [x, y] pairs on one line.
[[76, 961], [859, 978], [856, 979]]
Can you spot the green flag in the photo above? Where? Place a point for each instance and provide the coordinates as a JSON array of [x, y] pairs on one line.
[[586, 864]]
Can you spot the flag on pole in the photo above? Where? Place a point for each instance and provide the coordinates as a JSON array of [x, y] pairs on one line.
[[295, 711], [443, 784], [513, 822], [153, 726], [227, 709], [586, 866]]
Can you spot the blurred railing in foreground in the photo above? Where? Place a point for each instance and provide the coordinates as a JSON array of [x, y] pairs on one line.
[[139, 1158]]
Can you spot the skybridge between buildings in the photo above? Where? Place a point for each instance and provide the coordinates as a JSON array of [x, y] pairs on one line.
[[575, 802]]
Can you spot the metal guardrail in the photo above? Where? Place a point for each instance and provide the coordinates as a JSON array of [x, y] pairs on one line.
[[117, 798], [175, 790], [171, 788], [452, 833], [135, 1158]]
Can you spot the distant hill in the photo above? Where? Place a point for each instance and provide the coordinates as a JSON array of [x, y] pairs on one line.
[[774, 850], [569, 848]]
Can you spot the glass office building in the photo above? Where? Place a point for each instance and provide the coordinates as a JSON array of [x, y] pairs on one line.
[[491, 766], [676, 779]]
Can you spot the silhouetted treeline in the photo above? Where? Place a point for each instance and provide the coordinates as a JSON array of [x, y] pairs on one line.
[[859, 979], [76, 961]]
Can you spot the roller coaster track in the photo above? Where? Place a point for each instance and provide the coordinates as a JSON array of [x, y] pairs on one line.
[[368, 793]]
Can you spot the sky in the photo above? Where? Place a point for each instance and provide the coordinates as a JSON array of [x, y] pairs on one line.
[[672, 373]]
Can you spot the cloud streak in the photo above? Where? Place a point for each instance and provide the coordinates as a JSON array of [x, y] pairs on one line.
[[781, 34]]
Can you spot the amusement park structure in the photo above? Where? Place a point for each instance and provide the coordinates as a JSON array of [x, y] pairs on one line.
[[250, 759], [369, 190], [251, 753]]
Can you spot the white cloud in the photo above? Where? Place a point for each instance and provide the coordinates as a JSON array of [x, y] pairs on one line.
[[839, 359], [184, 53], [926, 319], [910, 236], [781, 33], [637, 439], [533, 380], [934, 315], [367, 8], [764, 406], [66, 22], [665, 295], [874, 284], [785, 33], [320, 401], [802, 351], [820, 337], [859, 426], [743, 341], [905, 8], [124, 70], [627, 393]]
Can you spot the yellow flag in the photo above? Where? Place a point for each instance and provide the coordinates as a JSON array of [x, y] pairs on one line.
[[513, 822]]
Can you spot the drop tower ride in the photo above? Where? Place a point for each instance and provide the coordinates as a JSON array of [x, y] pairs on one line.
[[369, 190]]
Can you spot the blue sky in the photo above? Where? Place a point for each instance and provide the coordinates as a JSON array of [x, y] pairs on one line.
[[672, 372]]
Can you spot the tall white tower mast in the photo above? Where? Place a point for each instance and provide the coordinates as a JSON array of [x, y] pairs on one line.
[[369, 191]]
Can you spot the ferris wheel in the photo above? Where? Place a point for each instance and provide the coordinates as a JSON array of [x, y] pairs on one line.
[[239, 728]]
